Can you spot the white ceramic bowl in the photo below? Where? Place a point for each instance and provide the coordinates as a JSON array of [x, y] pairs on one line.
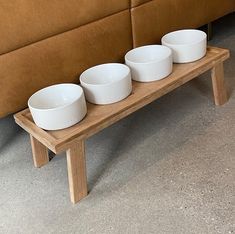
[[187, 45], [106, 83], [149, 63], [58, 106]]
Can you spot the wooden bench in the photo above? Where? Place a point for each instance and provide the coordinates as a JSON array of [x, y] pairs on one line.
[[99, 117]]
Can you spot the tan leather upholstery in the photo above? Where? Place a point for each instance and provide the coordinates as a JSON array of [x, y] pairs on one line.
[[217, 8], [25, 21], [152, 20], [62, 58], [46, 42]]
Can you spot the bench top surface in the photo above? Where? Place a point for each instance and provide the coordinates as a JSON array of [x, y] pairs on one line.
[[101, 116]]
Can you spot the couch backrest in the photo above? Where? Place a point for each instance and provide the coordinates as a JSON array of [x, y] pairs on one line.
[[24, 22]]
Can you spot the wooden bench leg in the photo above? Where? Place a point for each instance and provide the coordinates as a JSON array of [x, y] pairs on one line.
[[219, 89], [40, 152], [76, 163]]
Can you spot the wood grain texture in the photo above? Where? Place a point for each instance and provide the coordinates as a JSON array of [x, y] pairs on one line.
[[101, 116], [40, 153], [76, 164], [219, 89]]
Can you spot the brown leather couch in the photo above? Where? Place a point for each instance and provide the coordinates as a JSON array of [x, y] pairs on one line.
[[46, 42]]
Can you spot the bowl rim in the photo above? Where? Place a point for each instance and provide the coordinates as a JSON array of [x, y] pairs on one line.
[[59, 107], [152, 61], [185, 44], [106, 84]]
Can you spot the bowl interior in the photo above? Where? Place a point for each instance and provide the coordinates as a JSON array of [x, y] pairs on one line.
[[183, 37], [104, 74], [55, 96], [147, 54]]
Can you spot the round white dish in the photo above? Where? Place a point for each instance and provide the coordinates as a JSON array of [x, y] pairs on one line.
[[106, 83], [187, 45], [149, 63], [58, 106]]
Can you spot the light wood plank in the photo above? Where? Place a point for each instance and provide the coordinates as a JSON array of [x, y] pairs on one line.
[[76, 164], [219, 89], [40, 153]]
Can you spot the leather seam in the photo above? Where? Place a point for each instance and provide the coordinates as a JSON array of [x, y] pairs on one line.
[[140, 4]]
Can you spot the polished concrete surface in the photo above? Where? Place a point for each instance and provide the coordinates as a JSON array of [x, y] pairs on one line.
[[169, 168]]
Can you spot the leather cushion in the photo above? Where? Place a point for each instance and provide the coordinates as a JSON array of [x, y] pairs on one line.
[[26, 21]]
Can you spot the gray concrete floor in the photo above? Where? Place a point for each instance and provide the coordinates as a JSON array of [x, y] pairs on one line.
[[169, 168]]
